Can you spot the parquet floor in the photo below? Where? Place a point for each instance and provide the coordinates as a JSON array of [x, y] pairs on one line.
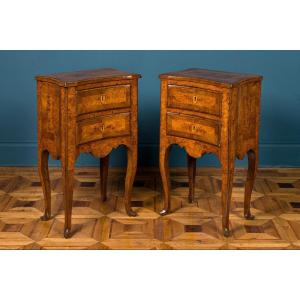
[[275, 203]]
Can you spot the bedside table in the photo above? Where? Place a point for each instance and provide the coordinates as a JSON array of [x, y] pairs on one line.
[[86, 111], [210, 112]]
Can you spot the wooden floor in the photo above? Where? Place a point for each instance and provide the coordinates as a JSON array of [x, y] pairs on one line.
[[96, 225]]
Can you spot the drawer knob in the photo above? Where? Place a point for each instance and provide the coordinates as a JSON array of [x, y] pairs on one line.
[[194, 128], [102, 128], [195, 99], [101, 98]]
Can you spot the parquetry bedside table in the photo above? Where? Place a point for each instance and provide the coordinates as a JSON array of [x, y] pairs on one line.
[[210, 112], [87, 111]]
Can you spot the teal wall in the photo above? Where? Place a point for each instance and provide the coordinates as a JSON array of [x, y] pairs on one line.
[[280, 111]]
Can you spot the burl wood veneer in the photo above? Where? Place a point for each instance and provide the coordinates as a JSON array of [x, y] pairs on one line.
[[216, 112], [86, 111]]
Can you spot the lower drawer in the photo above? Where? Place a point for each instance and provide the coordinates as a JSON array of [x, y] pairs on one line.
[[191, 127], [103, 127]]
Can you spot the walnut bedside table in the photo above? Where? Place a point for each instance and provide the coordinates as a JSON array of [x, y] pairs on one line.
[[86, 111], [210, 112]]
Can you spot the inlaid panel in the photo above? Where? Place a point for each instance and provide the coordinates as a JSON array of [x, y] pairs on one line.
[[107, 126], [103, 98], [195, 99], [193, 127]]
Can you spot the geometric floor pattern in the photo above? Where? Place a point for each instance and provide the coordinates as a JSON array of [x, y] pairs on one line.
[[275, 203]]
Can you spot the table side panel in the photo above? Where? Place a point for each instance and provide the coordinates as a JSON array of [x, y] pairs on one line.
[[49, 120], [248, 117]]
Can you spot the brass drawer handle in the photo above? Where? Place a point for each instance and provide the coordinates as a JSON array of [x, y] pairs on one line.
[[194, 128], [102, 128], [101, 98], [195, 99]]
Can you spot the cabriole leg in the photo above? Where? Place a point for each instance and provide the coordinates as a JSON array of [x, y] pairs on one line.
[[130, 174], [165, 177], [104, 163], [192, 175], [68, 182], [249, 183], [43, 157], [227, 182]]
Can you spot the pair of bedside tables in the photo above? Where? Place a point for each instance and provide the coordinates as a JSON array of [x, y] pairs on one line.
[[96, 111]]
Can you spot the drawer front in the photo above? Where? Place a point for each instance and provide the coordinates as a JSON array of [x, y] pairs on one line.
[[193, 128], [103, 127], [103, 98], [195, 99]]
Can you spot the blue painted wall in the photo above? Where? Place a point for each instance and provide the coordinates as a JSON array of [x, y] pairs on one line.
[[280, 113]]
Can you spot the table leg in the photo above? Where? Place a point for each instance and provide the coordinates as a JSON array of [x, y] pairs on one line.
[[130, 174], [43, 157], [252, 162], [104, 163], [227, 182], [165, 177], [68, 166], [192, 174]]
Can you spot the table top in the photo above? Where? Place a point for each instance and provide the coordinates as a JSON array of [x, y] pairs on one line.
[[221, 77], [68, 78]]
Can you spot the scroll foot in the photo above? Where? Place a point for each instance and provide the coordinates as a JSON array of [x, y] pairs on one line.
[[46, 217], [164, 212], [131, 213], [226, 232], [249, 216], [67, 233]]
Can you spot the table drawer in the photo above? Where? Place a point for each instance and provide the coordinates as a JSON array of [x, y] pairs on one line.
[[107, 126], [196, 128], [103, 98], [195, 99]]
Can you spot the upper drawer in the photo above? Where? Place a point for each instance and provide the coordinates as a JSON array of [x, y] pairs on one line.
[[191, 127], [195, 99], [103, 98], [108, 126]]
